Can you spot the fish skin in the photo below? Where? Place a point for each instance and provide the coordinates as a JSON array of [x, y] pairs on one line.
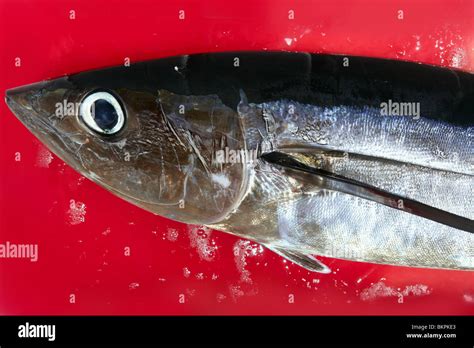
[[311, 220], [171, 157]]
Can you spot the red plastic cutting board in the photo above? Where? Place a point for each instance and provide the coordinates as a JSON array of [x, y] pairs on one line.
[[44, 201]]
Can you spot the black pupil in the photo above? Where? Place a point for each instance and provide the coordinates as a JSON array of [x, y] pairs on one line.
[[105, 115]]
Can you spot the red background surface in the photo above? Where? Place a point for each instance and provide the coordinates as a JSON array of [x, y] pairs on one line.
[[87, 259]]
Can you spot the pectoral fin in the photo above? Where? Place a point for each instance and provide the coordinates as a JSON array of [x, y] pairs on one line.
[[306, 261], [335, 182]]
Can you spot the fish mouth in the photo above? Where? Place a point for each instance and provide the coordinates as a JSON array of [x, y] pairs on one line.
[[34, 106], [24, 103]]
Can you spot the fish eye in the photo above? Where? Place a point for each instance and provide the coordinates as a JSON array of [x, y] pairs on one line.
[[102, 113]]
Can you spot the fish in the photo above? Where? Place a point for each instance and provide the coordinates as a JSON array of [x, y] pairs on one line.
[[355, 158]]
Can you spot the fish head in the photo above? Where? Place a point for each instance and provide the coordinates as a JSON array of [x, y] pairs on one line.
[[154, 149]]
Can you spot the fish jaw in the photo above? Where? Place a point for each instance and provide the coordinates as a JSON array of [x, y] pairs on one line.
[[23, 102], [35, 107]]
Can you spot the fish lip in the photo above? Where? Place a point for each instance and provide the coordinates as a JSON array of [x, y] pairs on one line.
[[9, 100], [21, 111], [21, 101], [13, 98], [24, 102]]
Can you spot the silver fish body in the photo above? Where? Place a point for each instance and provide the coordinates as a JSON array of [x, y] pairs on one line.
[[432, 163], [196, 128]]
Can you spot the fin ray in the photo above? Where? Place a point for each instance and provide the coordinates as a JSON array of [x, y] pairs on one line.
[[306, 261]]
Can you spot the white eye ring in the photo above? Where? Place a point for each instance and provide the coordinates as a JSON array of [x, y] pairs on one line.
[[85, 111]]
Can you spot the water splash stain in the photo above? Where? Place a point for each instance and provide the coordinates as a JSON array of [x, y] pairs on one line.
[[43, 157], [76, 213], [200, 238], [380, 290]]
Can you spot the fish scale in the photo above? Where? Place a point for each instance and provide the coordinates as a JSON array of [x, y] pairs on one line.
[[422, 142]]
